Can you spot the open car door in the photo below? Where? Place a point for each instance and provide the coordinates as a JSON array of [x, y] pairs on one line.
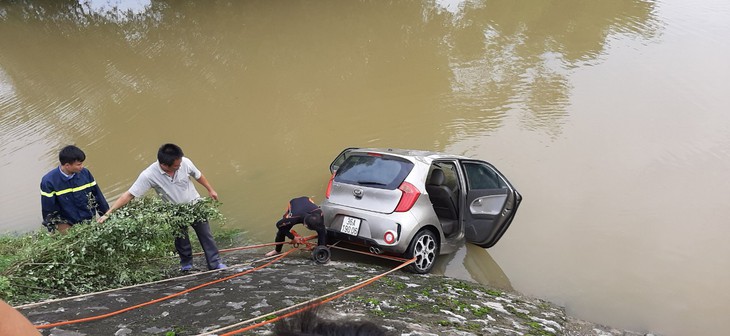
[[491, 203]]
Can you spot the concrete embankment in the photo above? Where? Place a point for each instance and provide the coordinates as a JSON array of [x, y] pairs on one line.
[[403, 303]]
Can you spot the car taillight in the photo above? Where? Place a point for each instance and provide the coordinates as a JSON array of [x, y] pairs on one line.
[[410, 196], [329, 187]]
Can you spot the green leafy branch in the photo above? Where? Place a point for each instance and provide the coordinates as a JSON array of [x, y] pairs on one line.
[[132, 246]]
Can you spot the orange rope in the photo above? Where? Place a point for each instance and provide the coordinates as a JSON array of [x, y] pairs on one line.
[[253, 246], [29, 305], [102, 316], [281, 256], [373, 279]]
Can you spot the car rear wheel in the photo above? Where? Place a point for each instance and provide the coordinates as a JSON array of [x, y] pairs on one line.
[[424, 247]]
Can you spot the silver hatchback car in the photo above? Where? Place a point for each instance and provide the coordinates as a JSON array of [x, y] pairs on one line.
[[416, 204]]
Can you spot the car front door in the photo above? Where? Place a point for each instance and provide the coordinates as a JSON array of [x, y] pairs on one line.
[[491, 203]]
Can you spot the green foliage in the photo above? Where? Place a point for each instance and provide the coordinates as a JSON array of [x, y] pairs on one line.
[[175, 331], [471, 326], [538, 330], [459, 284], [452, 304], [409, 306], [133, 246], [372, 302], [4, 284], [481, 311], [494, 292], [378, 312], [395, 284]]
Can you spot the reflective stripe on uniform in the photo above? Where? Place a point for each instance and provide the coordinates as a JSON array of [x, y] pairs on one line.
[[65, 191]]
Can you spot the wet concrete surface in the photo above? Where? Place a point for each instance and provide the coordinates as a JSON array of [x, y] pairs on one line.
[[403, 303]]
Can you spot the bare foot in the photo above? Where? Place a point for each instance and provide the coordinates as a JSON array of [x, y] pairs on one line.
[[272, 253]]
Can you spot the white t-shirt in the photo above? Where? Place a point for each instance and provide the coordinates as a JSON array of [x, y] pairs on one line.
[[176, 189]]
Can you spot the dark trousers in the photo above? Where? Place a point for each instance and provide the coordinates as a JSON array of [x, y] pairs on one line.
[[284, 232], [205, 237]]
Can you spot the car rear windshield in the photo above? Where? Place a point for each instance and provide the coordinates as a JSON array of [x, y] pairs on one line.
[[374, 171]]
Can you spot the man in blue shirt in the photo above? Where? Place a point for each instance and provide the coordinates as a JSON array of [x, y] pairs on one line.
[[69, 193]]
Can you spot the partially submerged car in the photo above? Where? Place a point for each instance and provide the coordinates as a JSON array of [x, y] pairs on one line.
[[415, 203]]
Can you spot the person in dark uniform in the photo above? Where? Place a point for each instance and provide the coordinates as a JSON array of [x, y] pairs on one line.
[[69, 193], [301, 210]]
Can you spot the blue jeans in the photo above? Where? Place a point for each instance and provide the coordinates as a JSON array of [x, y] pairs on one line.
[[205, 237]]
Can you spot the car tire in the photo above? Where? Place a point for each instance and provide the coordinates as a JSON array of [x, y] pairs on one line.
[[425, 248]]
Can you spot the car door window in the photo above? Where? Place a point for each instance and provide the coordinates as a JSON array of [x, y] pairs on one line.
[[479, 176], [451, 176]]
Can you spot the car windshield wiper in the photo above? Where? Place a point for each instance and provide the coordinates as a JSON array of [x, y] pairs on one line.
[[371, 183]]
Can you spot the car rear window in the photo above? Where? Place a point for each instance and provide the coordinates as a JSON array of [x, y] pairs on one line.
[[374, 171]]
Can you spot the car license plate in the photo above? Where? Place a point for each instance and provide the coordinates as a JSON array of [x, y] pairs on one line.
[[350, 225]]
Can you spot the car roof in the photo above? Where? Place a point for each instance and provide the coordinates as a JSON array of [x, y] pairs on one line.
[[413, 153]]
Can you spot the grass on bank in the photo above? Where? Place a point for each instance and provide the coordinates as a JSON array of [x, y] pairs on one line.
[[135, 245]]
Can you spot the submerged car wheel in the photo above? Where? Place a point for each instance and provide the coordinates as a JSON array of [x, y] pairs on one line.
[[425, 248]]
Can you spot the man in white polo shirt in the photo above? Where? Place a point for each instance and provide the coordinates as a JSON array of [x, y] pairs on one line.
[[170, 177]]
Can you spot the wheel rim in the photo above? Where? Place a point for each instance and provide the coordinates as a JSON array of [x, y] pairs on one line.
[[425, 252]]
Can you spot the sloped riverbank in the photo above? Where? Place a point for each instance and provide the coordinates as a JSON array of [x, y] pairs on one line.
[[403, 303]]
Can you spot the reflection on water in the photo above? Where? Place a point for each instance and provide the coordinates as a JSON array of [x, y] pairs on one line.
[[473, 263], [508, 56], [115, 9], [570, 99]]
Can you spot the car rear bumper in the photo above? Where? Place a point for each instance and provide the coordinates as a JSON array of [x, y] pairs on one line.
[[373, 227]]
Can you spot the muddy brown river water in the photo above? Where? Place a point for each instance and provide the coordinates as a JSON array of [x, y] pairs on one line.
[[610, 117]]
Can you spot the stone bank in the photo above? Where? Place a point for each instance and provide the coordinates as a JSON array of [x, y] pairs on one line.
[[403, 303]]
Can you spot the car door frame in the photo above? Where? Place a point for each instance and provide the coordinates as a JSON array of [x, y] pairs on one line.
[[460, 198], [486, 228]]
